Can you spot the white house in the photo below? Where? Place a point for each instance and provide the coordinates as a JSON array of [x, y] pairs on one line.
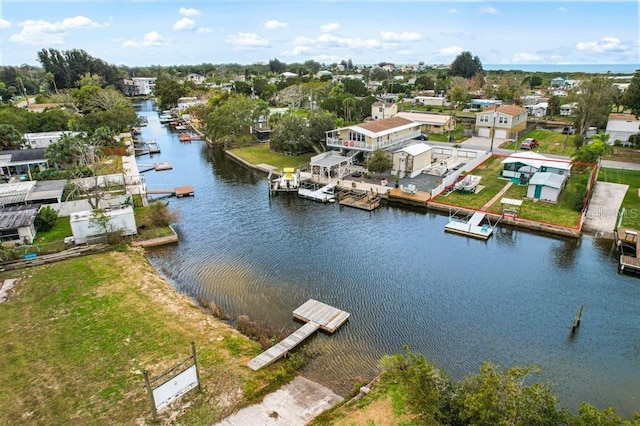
[[390, 133], [524, 164], [431, 123], [545, 186], [382, 110], [411, 160], [17, 224], [120, 219], [430, 100], [145, 85], [621, 126], [537, 110], [44, 139], [568, 110]]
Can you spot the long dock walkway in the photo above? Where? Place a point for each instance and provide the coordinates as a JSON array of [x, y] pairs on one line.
[[317, 315]]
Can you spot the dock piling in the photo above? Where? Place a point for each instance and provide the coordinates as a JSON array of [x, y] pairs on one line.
[[576, 320]]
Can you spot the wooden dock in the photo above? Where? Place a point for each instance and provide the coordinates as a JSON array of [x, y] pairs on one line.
[[470, 227], [629, 263], [418, 198], [317, 315], [359, 200], [179, 191]]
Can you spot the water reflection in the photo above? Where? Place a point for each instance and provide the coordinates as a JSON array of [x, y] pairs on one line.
[[460, 301]]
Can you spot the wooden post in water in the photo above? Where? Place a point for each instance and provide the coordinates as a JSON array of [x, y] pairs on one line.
[[576, 320]]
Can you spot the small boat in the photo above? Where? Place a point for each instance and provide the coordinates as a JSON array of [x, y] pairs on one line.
[[185, 137], [468, 184], [165, 118], [288, 182]]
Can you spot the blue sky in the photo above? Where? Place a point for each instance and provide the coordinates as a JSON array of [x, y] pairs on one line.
[[163, 32]]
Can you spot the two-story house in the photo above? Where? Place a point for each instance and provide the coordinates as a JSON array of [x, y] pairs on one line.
[[503, 122], [382, 110], [390, 133]]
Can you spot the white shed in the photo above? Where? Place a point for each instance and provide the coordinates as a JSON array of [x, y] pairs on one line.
[[84, 224], [411, 160], [545, 186]]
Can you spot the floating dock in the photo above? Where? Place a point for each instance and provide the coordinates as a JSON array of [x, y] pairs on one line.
[[158, 167], [317, 315], [359, 200], [627, 242], [326, 194], [470, 227]]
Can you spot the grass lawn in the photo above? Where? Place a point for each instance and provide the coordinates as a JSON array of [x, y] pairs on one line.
[[261, 154], [489, 170], [620, 153], [562, 213], [631, 218], [78, 334], [550, 142]]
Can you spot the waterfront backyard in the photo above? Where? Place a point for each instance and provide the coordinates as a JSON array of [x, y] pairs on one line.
[[564, 213]]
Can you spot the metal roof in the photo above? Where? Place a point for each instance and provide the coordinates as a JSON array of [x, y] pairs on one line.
[[15, 193], [552, 180], [416, 149], [17, 216]]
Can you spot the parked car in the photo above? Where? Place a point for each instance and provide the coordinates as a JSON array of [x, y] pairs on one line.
[[422, 137], [529, 143], [356, 174], [568, 130]]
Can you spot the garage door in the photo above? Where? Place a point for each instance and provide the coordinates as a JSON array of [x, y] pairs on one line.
[[501, 134], [483, 132]]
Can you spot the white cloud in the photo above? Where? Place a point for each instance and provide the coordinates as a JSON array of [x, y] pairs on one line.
[[4, 24], [525, 58], [452, 11], [41, 31], [184, 24], [562, 9], [303, 40], [297, 50], [351, 43], [242, 41], [204, 30], [274, 24], [489, 10], [152, 38], [404, 36], [184, 11], [328, 28], [605, 45], [449, 51]]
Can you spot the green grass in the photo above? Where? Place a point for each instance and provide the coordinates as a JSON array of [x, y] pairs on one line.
[[631, 218], [261, 154], [489, 170], [550, 142], [77, 335]]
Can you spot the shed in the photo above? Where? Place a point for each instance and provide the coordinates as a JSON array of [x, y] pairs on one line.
[[84, 225], [545, 186], [17, 223], [411, 160]]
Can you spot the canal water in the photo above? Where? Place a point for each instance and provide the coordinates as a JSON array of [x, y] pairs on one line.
[[460, 301]]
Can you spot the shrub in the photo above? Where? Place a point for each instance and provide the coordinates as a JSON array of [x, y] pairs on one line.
[[46, 219], [160, 215]]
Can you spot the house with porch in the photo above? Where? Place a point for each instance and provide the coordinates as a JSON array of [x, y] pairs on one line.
[[502, 122], [388, 134], [568, 110], [523, 165], [621, 126], [22, 162], [537, 110], [431, 123]]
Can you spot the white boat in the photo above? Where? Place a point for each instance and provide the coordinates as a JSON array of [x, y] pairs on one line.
[[165, 118], [288, 182], [468, 184]]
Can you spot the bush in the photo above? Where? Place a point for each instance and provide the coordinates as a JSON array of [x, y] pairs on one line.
[[579, 198], [46, 219], [160, 215]]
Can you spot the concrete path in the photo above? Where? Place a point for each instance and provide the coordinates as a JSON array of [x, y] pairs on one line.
[[602, 215], [5, 287], [295, 404], [497, 196]]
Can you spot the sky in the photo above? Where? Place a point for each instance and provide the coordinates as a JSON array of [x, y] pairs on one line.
[[170, 32]]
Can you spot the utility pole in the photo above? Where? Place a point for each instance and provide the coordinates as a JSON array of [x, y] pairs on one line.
[[493, 131]]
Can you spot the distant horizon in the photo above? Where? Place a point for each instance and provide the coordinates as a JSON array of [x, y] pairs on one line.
[[165, 33]]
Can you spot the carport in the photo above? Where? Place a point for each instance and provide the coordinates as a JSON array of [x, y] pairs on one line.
[[330, 164]]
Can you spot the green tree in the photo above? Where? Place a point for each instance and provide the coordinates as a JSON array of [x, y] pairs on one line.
[[502, 397], [230, 122], [290, 135], [320, 122], [465, 65], [276, 66], [425, 82], [554, 105], [631, 97], [168, 91], [378, 162], [66, 151], [45, 219], [10, 137], [595, 100], [592, 152]]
